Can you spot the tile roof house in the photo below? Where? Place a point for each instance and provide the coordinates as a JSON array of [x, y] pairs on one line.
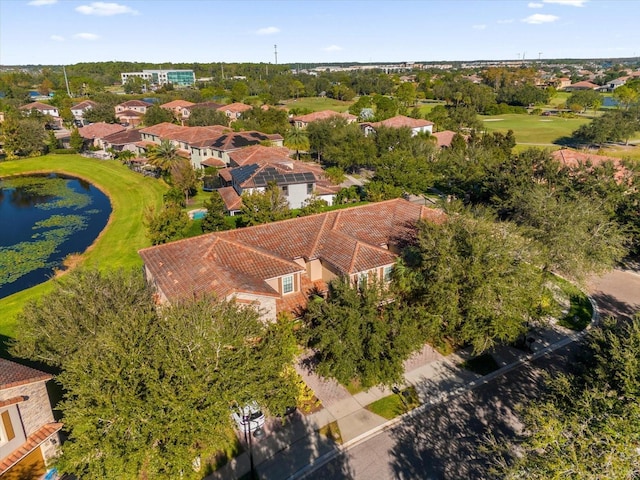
[[78, 110], [28, 433], [95, 132], [302, 121], [186, 111], [444, 138], [234, 110], [416, 125], [43, 108], [135, 105], [584, 85], [574, 159], [221, 147], [274, 266], [123, 140], [176, 106]]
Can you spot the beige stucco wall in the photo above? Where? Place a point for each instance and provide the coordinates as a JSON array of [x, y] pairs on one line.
[[266, 306], [314, 270]]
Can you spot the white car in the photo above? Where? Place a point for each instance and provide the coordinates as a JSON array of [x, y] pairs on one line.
[[248, 418]]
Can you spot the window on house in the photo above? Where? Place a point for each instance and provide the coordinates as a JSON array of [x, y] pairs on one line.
[[362, 279], [285, 190], [6, 428], [287, 284], [386, 273], [309, 188]]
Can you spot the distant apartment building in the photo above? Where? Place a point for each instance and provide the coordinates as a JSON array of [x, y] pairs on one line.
[[162, 77]]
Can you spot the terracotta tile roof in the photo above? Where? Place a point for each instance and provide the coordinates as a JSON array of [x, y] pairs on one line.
[[400, 121], [129, 114], [177, 104], [13, 374], [134, 103], [211, 105], [584, 84], [574, 159], [295, 302], [213, 162], [236, 140], [232, 201], [351, 240], [194, 136], [444, 138], [12, 401], [100, 130], [33, 441], [124, 137], [235, 107], [37, 106], [323, 115], [84, 105], [259, 154]]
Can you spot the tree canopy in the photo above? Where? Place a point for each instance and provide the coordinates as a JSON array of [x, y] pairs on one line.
[[147, 390]]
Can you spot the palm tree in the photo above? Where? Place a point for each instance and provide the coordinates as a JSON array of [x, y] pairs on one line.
[[163, 156], [297, 140]]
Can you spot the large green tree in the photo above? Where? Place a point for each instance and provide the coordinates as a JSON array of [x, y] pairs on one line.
[[156, 114], [587, 426], [203, 116], [297, 139], [264, 207], [23, 137], [164, 156], [147, 390], [166, 225], [214, 219]]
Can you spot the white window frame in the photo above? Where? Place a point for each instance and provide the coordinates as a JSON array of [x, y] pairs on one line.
[[285, 282]]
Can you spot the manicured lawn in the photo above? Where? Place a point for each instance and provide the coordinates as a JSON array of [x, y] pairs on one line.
[[394, 405], [118, 244], [533, 129], [316, 104]]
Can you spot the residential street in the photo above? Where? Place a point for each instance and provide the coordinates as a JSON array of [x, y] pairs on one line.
[[446, 441]]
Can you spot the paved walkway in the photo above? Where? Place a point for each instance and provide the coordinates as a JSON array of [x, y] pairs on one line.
[[290, 446]]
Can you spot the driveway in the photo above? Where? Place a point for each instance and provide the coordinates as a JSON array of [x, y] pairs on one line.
[[617, 293]]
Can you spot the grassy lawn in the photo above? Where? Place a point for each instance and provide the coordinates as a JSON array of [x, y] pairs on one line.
[[533, 129], [396, 404], [580, 309], [118, 244], [482, 364], [317, 104], [331, 431]]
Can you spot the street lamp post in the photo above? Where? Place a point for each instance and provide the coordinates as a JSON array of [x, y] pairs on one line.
[[246, 420]]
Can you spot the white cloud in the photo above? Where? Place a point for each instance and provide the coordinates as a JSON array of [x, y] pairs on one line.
[[571, 3], [479, 27], [332, 48], [39, 3], [535, 5], [268, 31], [539, 18], [86, 36], [505, 21], [103, 9], [57, 38]]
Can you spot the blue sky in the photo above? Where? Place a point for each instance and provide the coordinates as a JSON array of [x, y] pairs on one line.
[[69, 31]]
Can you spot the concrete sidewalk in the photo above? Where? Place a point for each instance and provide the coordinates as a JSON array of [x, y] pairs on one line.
[[290, 447]]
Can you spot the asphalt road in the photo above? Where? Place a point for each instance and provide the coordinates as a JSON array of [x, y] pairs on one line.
[[450, 441]]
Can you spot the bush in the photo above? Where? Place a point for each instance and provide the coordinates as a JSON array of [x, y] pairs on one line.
[[503, 109], [65, 151]]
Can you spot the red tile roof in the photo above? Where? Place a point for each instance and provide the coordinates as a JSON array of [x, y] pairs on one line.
[[134, 103], [232, 201], [400, 121], [211, 105], [124, 137], [195, 136], [583, 84], [13, 374], [213, 162], [12, 401], [323, 115], [84, 105], [177, 104], [444, 138], [33, 441], [350, 240], [235, 107], [259, 154], [574, 159], [129, 114], [37, 106], [100, 130]]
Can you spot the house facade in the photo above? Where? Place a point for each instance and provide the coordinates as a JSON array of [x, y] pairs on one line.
[[29, 435], [43, 108], [416, 125], [273, 267], [79, 109], [234, 111], [94, 133], [133, 105]]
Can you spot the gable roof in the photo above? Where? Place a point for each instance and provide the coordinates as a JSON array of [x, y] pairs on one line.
[[236, 107], [84, 105], [195, 136], [123, 137], [37, 106], [323, 115], [236, 140], [134, 103], [400, 121], [232, 201], [177, 104], [350, 240], [444, 138], [13, 374], [99, 130]]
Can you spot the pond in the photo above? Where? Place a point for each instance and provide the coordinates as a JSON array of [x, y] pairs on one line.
[[43, 219]]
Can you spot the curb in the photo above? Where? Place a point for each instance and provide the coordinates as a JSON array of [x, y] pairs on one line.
[[441, 398]]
